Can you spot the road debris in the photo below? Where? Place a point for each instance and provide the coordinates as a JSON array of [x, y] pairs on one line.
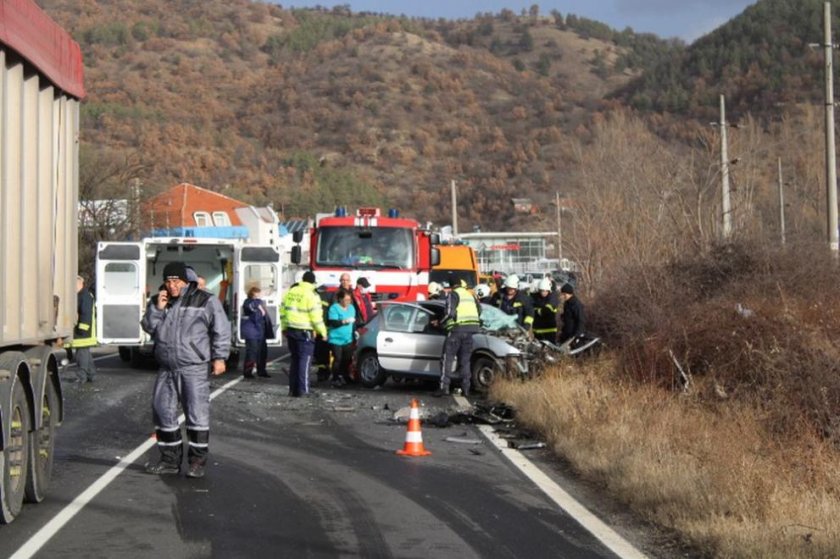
[[462, 440], [526, 445]]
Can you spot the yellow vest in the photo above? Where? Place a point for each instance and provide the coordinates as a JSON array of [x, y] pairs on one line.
[[302, 310], [467, 310]]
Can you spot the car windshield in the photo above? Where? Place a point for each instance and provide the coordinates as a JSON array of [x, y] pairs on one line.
[[492, 318], [377, 247]]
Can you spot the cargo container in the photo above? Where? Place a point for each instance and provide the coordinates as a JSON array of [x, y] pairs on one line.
[[40, 87]]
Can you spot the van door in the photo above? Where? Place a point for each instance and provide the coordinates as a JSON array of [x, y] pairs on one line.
[[121, 292], [258, 266]]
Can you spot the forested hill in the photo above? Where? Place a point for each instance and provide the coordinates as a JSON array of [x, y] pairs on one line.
[[308, 109], [760, 59]]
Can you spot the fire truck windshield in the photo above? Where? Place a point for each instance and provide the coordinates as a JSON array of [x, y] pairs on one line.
[[377, 247]]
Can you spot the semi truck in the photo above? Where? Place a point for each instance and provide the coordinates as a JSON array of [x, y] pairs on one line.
[[129, 273], [40, 88], [395, 254]]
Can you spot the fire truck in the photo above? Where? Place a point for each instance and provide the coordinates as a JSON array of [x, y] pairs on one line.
[[394, 253]]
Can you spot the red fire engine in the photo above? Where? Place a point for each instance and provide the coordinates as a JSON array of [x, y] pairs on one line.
[[395, 254]]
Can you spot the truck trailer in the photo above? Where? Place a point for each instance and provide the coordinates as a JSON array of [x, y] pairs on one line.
[[40, 88]]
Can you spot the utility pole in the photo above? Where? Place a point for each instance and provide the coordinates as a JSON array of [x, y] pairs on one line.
[[559, 228], [724, 172], [454, 210], [781, 203], [830, 153]]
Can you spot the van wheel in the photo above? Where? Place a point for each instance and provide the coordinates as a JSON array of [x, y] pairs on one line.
[[16, 452], [371, 374]]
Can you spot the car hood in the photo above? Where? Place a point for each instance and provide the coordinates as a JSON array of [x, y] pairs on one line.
[[495, 344]]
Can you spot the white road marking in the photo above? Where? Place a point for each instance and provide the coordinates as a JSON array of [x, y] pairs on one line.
[[51, 528], [609, 537]]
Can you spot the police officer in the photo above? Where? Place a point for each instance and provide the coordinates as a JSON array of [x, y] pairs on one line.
[[190, 330], [461, 319], [545, 311], [302, 317], [84, 334], [514, 302]]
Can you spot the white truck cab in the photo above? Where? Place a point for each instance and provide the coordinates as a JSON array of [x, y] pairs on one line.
[[129, 273]]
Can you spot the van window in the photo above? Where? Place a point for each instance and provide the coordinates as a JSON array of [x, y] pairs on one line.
[[263, 276], [121, 278]]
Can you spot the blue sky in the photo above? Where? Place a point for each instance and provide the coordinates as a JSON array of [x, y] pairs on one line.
[[686, 19]]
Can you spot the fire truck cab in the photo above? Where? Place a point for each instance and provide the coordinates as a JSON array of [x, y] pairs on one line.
[[395, 254]]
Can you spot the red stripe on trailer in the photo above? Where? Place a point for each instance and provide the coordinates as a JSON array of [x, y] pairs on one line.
[[30, 32]]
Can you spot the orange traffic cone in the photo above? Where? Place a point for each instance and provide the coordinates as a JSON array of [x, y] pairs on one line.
[[413, 437]]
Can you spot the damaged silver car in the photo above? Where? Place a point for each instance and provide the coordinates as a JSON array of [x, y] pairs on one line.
[[401, 341]]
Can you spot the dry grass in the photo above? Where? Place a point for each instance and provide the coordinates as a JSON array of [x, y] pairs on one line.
[[716, 476]]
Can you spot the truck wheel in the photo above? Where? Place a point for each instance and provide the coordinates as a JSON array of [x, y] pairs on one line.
[[16, 451], [484, 372], [371, 374], [42, 446]]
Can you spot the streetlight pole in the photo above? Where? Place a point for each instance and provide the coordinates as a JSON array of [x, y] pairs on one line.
[[830, 153], [781, 203], [454, 210], [559, 228], [724, 172]]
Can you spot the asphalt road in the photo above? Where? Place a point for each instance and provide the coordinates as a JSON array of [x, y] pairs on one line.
[[287, 477]]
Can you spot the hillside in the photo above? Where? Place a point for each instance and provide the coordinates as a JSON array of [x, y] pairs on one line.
[[761, 60], [308, 109]]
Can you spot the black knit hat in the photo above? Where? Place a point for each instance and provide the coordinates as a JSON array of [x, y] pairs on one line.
[[567, 288], [176, 270], [308, 276]]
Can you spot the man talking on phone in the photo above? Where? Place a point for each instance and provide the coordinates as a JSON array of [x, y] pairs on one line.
[[190, 331]]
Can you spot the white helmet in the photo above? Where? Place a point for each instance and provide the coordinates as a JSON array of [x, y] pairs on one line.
[[545, 285], [482, 290], [434, 288], [512, 281]]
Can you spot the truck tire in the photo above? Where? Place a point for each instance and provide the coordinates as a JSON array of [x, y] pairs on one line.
[[16, 450], [42, 446]]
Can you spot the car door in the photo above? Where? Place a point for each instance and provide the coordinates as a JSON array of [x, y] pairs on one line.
[[429, 340], [396, 345], [258, 266]]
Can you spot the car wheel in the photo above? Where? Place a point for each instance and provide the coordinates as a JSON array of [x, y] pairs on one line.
[[371, 374], [484, 372]]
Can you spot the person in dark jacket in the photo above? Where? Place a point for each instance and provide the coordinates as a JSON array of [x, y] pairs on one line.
[[256, 327], [190, 331], [84, 334], [461, 319], [573, 317], [362, 301]]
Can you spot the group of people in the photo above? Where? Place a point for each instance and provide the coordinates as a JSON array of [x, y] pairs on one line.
[[538, 313], [323, 328]]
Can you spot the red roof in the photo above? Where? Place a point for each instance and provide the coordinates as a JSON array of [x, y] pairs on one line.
[[30, 32], [177, 206]]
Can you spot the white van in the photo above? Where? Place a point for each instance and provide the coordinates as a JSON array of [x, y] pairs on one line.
[[128, 274]]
